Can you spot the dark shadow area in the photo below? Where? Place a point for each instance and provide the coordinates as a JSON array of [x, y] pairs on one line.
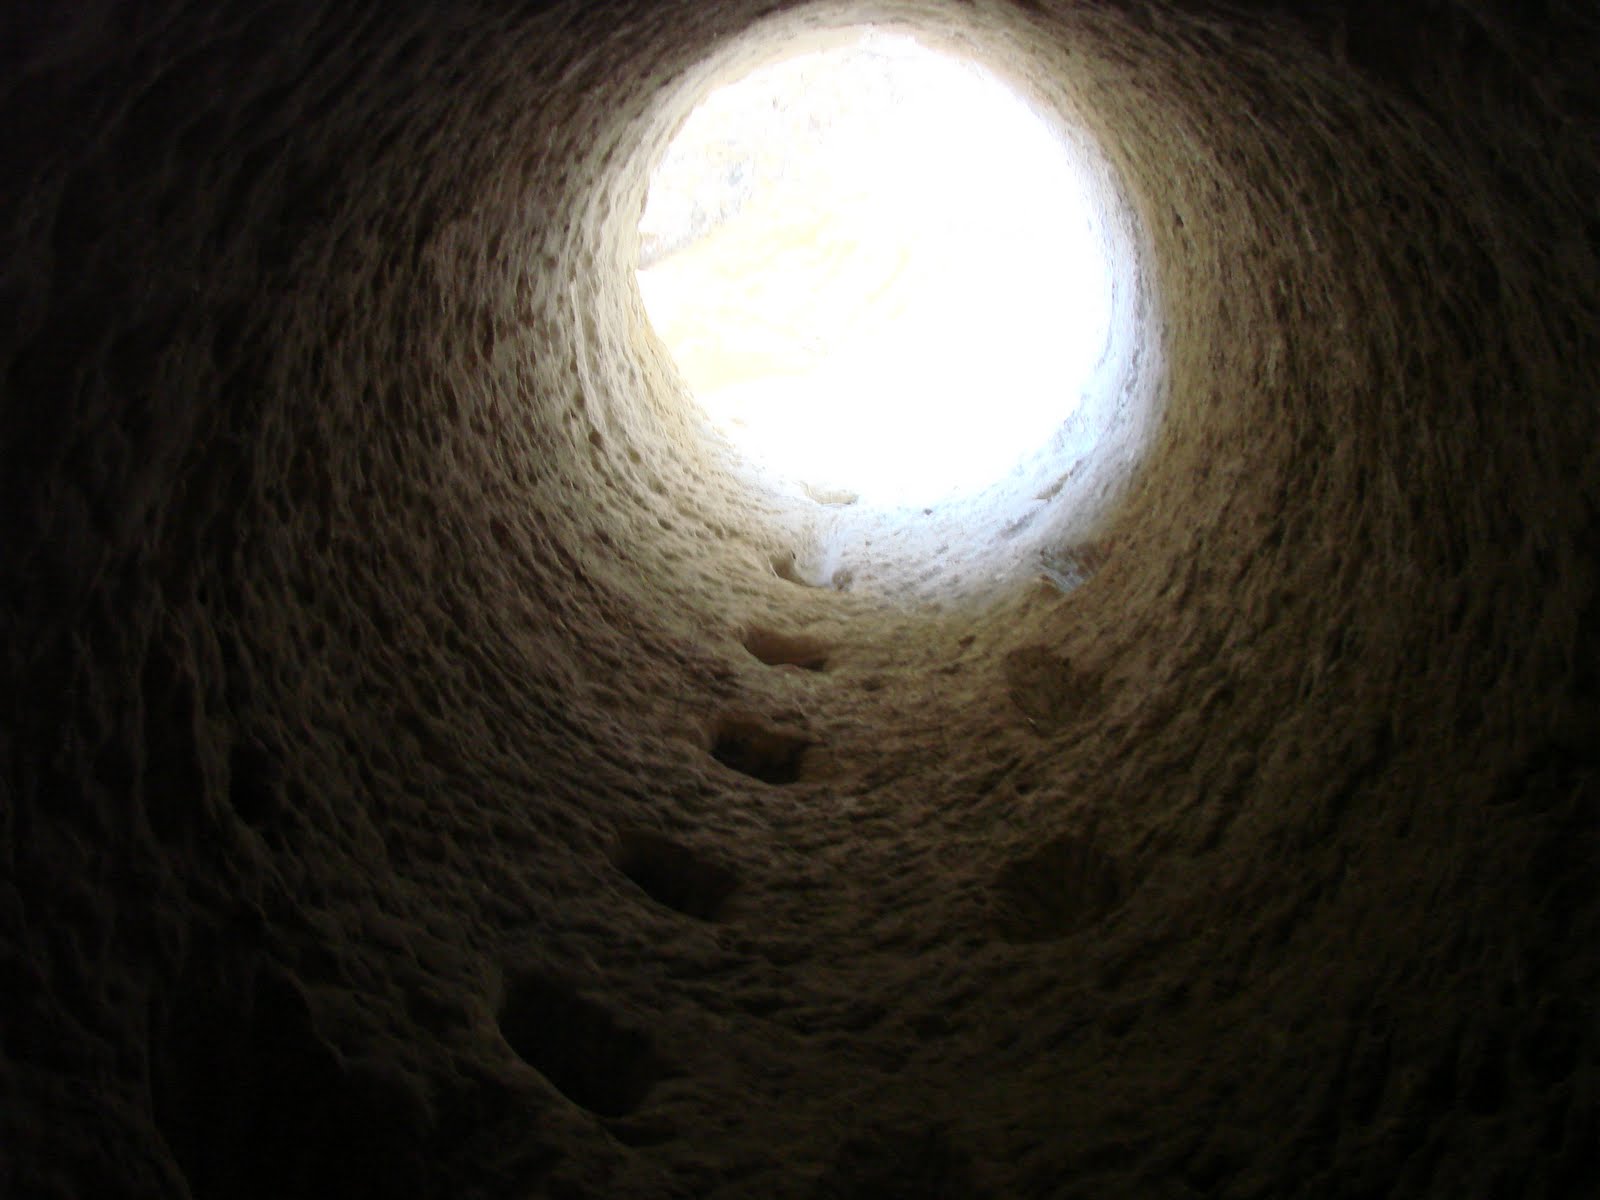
[[590, 1056], [673, 874]]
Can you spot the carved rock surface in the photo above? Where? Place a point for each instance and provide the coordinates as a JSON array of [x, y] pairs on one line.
[[363, 572]]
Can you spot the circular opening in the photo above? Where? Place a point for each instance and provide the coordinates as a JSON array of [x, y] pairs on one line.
[[880, 272], [909, 319]]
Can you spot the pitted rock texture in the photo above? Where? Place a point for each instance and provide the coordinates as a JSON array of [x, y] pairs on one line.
[[373, 611]]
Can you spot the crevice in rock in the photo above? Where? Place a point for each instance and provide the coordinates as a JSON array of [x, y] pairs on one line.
[[1052, 892], [758, 750], [673, 874], [786, 649], [586, 1052]]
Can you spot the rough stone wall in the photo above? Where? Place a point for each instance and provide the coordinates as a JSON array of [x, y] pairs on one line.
[[417, 780]]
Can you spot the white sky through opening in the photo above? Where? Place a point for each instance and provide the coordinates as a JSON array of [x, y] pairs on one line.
[[877, 271]]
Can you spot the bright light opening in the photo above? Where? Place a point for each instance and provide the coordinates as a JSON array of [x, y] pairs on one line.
[[877, 270]]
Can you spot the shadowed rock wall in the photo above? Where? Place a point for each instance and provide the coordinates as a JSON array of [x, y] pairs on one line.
[[419, 777]]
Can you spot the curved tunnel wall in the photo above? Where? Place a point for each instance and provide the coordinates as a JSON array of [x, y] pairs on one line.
[[421, 779]]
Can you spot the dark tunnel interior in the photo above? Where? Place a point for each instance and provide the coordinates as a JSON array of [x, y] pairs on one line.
[[431, 766]]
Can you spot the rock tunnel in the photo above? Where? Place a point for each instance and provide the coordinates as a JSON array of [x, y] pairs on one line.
[[432, 767]]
